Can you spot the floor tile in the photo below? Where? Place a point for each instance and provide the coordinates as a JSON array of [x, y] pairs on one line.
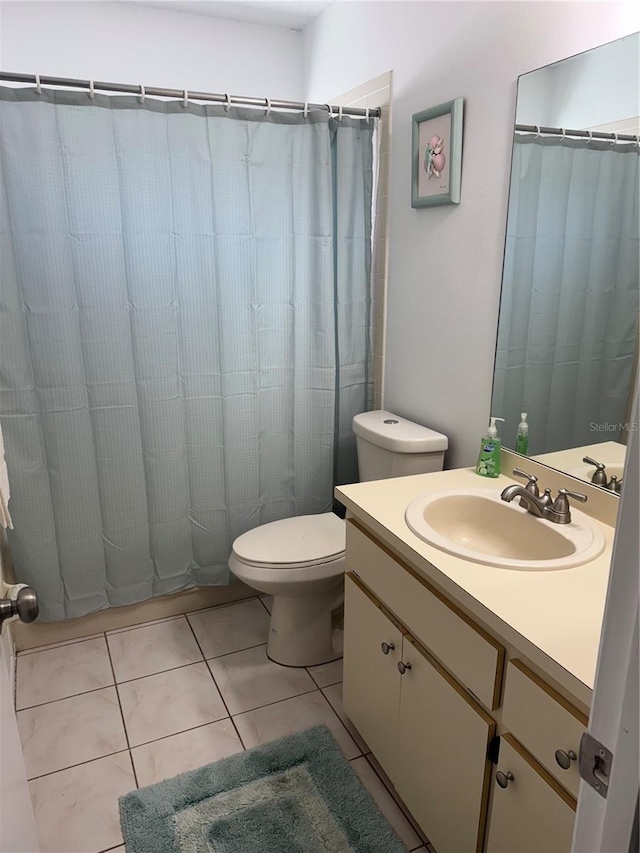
[[170, 702], [152, 648], [326, 674], [231, 628], [58, 645], [63, 671], [267, 600], [385, 802], [71, 731], [248, 680], [293, 715], [76, 810], [170, 756], [333, 695]]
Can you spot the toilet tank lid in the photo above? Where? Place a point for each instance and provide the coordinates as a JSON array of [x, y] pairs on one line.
[[394, 433], [298, 540]]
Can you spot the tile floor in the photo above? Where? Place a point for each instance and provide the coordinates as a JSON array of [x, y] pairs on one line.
[[102, 715]]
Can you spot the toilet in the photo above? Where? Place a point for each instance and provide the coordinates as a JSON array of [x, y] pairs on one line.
[[300, 560]]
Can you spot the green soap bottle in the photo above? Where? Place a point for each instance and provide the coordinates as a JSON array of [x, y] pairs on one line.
[[488, 464], [522, 438]]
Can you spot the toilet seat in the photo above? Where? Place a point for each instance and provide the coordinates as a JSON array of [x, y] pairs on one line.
[[292, 543]]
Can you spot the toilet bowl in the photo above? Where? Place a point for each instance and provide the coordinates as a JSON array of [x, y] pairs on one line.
[[300, 560]]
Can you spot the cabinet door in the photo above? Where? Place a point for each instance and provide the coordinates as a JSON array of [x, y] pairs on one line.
[[371, 681], [444, 772], [532, 813]]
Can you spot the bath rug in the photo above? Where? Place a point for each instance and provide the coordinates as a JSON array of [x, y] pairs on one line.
[[297, 794]]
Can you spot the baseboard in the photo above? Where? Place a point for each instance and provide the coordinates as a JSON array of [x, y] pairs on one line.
[[43, 633]]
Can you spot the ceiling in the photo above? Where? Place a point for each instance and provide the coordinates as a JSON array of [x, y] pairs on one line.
[[294, 14]]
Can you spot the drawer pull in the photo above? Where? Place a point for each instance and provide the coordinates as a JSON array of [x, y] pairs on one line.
[[503, 779], [387, 647], [564, 759], [403, 667]]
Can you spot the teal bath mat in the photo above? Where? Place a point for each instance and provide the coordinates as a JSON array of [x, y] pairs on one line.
[[293, 795]]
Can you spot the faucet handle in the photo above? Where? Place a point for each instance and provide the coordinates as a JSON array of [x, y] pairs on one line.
[[532, 481], [577, 496], [599, 477], [560, 511]]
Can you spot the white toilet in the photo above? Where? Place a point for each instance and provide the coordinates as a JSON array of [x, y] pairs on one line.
[[300, 560]]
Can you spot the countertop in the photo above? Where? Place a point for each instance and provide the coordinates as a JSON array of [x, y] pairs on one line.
[[552, 617]]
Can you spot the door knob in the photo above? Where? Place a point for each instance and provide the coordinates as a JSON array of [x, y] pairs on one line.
[[403, 667], [503, 779], [387, 647], [564, 759], [25, 606]]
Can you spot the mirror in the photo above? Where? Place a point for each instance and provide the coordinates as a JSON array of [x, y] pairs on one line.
[[567, 347]]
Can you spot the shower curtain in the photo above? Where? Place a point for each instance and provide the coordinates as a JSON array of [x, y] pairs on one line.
[[184, 310], [569, 309]]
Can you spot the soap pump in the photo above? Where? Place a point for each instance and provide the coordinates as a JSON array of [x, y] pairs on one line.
[[522, 437], [488, 464]]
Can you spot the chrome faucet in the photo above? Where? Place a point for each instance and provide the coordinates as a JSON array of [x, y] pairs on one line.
[[542, 506]]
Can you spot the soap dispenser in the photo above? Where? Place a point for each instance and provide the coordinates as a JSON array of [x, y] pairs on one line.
[[488, 464], [522, 438]]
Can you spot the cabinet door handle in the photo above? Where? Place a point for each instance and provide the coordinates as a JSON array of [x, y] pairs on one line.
[[403, 667], [564, 759], [387, 647], [503, 779]]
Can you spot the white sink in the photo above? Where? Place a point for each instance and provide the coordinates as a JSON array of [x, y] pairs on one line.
[[477, 525]]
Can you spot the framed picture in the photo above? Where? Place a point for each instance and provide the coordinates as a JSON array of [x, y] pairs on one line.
[[436, 162]]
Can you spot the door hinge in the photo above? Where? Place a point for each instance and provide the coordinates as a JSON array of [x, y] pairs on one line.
[[594, 764], [493, 750]]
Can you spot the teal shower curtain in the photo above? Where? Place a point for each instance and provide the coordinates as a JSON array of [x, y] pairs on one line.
[[568, 327], [184, 333]]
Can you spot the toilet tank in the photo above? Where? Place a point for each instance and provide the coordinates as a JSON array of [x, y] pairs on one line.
[[390, 446]]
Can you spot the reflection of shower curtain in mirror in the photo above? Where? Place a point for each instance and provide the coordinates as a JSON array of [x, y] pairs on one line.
[[184, 302], [569, 308]]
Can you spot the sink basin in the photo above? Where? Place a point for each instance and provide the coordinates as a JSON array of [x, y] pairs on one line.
[[477, 525]]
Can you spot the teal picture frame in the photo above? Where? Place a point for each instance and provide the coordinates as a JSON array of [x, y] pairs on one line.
[[423, 157]]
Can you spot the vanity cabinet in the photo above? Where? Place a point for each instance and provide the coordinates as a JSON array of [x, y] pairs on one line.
[[426, 731], [423, 685], [532, 813]]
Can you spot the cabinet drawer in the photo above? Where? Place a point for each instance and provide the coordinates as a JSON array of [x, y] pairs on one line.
[[532, 813], [543, 721], [475, 658]]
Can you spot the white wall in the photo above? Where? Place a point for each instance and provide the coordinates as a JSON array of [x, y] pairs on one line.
[[445, 263], [127, 43]]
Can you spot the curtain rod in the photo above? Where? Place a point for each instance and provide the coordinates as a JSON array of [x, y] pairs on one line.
[[583, 134], [99, 85]]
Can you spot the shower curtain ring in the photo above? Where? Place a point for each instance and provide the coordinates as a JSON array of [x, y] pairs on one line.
[[92, 92], [564, 134], [185, 98], [329, 107], [142, 94], [340, 113], [590, 139], [615, 138], [537, 127], [367, 115], [268, 105], [305, 111], [38, 84], [227, 105]]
